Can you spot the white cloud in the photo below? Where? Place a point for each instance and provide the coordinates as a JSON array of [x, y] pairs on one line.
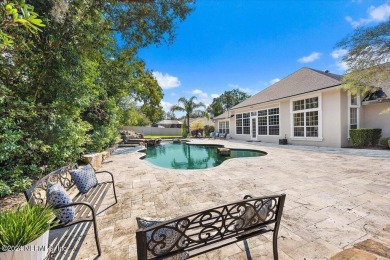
[[166, 81], [233, 85], [339, 53], [273, 81], [375, 14], [214, 95], [199, 93], [312, 57], [342, 66], [166, 105], [173, 94]]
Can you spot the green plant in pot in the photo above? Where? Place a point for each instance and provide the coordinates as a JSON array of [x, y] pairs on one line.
[[24, 232]]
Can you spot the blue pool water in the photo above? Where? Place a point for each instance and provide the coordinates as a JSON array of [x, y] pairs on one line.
[[188, 156]]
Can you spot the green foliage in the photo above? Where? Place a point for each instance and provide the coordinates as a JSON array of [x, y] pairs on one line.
[[4, 189], [384, 141], [190, 107], [184, 132], [22, 184], [25, 224], [363, 137], [226, 101], [62, 89], [376, 136], [208, 129], [388, 143], [16, 13], [368, 50]]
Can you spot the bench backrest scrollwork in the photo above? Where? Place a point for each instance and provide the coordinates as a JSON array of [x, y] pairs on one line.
[[37, 193], [197, 230]]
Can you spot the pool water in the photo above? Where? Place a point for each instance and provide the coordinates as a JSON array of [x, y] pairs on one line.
[[188, 156]]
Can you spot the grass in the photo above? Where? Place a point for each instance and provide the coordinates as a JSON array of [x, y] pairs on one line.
[[163, 136]]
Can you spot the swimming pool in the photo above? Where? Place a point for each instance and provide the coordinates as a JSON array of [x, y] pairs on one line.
[[191, 156]]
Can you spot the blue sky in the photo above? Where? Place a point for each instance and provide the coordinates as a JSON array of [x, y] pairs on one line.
[[250, 44]]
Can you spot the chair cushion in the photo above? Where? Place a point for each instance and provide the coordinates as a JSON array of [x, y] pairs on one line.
[[84, 178], [253, 215], [57, 196], [171, 235]]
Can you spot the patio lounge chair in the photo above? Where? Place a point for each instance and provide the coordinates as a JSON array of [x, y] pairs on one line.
[[223, 136]]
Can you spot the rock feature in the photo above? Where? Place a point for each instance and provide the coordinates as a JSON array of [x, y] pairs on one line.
[[223, 151]]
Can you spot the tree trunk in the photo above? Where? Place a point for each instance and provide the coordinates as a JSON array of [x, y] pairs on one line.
[[188, 123]]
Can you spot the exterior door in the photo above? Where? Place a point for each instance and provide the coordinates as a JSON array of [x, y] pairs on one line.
[[253, 128]]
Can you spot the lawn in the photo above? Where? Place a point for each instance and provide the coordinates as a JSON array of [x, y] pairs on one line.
[[163, 136]]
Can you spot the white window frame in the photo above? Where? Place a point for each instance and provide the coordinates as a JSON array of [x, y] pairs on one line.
[[358, 106], [223, 126], [292, 112], [268, 125], [242, 120]]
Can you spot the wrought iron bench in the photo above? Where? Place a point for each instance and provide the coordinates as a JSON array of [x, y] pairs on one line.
[[85, 205], [201, 232]]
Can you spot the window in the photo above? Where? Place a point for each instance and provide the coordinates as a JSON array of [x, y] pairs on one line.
[[268, 121], [306, 117], [246, 123], [353, 111], [243, 123], [354, 99], [239, 124], [223, 127]]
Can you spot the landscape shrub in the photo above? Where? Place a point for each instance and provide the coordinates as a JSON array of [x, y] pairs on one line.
[[4, 189], [208, 129], [384, 141], [376, 136], [22, 184], [360, 137]]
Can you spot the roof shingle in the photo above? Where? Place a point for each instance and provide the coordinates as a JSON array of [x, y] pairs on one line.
[[302, 81]]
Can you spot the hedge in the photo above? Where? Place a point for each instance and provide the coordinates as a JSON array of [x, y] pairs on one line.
[[376, 135], [363, 137], [384, 141]]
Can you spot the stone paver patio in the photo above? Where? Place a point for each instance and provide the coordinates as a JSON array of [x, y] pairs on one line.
[[333, 202]]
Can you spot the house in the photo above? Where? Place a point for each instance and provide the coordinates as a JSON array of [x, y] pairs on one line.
[[169, 124], [200, 120], [307, 107]]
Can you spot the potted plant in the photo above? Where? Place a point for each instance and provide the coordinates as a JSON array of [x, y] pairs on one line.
[[24, 232]]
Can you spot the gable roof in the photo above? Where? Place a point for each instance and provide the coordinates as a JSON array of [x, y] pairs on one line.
[[222, 116], [169, 122], [302, 81]]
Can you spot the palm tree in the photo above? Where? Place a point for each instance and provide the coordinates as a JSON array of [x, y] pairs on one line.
[[189, 106]]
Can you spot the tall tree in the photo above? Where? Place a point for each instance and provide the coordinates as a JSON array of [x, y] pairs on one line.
[[61, 89], [226, 101], [190, 107], [368, 51]]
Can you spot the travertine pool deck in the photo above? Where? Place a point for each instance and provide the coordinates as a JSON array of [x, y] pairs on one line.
[[333, 201]]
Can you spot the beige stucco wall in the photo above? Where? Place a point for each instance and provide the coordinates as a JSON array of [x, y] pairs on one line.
[[334, 125], [373, 119], [344, 110]]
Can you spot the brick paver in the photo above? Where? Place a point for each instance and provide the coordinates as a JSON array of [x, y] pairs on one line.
[[333, 201]]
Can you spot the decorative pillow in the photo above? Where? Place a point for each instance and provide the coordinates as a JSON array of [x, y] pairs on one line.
[[171, 237], [84, 178], [57, 196], [250, 216]]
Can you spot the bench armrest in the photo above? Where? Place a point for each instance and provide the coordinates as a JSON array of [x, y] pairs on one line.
[[112, 176]]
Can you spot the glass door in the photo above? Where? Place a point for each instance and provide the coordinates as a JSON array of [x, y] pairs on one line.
[[253, 128]]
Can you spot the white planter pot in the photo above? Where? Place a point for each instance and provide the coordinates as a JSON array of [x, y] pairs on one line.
[[36, 250]]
